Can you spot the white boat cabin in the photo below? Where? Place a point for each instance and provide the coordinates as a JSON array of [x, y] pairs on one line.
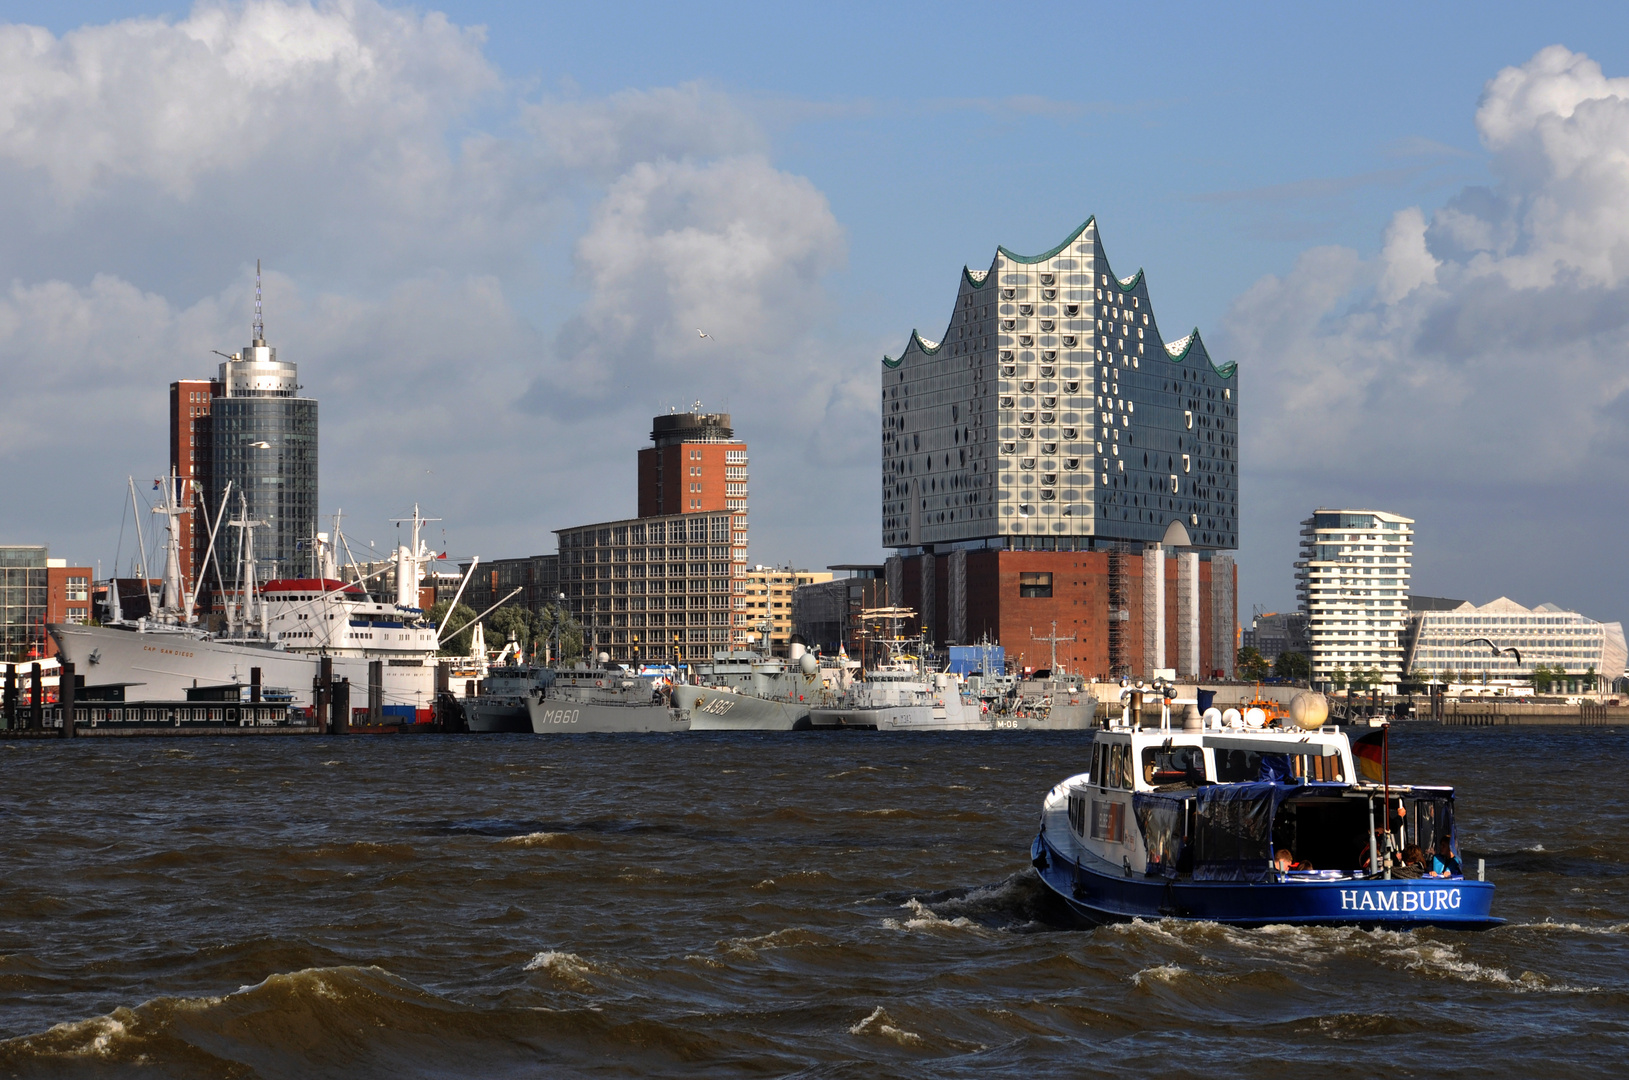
[[1239, 804]]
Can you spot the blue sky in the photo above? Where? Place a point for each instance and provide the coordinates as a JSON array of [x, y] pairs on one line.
[[455, 276]]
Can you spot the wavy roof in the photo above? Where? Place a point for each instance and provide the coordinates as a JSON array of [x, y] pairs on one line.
[[1175, 351]]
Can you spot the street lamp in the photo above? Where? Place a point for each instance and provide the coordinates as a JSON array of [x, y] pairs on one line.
[[559, 627]]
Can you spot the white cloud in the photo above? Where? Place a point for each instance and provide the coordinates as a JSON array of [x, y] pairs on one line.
[[410, 271], [734, 247], [1475, 367], [604, 137], [218, 91]]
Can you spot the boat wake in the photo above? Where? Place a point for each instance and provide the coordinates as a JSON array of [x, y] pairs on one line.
[[1019, 904]]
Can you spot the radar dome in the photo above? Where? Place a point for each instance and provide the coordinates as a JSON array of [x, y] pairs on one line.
[[605, 658], [1309, 710], [1233, 718], [808, 664], [1254, 718], [1212, 717]]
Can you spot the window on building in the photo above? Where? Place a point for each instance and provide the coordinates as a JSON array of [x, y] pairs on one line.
[[1035, 585]]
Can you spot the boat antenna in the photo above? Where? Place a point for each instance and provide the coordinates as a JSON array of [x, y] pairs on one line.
[[260, 322]]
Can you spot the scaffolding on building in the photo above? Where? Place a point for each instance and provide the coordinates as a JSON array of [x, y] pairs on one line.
[[1119, 617]]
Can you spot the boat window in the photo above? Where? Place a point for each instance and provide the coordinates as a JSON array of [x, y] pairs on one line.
[[1307, 767], [1109, 819], [1173, 765], [1122, 766], [1237, 766]]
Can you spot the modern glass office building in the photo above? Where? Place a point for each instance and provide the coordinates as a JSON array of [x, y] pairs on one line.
[[1352, 584], [1503, 640], [264, 437]]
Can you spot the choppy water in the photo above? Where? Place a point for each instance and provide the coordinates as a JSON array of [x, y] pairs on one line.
[[847, 905]]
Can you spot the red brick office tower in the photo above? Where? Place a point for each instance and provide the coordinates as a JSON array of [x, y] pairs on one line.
[[695, 464], [191, 458]]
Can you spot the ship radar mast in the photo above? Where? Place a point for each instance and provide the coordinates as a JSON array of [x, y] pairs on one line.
[[410, 563]]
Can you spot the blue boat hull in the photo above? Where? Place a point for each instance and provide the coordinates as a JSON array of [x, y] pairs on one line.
[[1097, 892]]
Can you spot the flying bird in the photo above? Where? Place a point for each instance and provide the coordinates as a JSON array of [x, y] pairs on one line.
[[704, 334], [1497, 651]]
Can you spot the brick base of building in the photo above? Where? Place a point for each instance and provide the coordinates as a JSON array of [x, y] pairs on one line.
[[1013, 598]]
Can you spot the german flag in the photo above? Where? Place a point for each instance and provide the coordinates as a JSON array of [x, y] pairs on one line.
[[1369, 751]]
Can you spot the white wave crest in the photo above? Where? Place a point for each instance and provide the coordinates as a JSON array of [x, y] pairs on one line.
[[880, 1023], [1163, 973], [1573, 928], [925, 918], [566, 967]]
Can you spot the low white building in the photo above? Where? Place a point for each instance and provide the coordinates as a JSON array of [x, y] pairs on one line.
[[1504, 640]]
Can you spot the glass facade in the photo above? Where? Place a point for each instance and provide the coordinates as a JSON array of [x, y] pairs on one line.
[[23, 589], [266, 447], [660, 588], [1053, 412], [1504, 640]]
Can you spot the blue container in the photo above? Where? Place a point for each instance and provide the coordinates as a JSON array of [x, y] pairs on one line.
[[989, 659], [401, 712], [1206, 699]]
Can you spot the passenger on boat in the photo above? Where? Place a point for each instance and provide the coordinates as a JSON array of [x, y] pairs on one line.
[[1443, 863], [1413, 863], [1382, 844], [1284, 862]]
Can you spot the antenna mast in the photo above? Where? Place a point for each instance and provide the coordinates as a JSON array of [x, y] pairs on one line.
[[1054, 639], [260, 322]]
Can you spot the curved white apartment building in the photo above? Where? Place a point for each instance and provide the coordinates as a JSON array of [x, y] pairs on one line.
[[1352, 583]]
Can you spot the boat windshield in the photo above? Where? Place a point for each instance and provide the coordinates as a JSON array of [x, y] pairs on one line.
[[1163, 765]]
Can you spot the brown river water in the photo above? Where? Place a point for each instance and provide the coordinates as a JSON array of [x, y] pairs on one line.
[[813, 905]]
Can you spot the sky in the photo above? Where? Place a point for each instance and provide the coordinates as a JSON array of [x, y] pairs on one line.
[[490, 232]]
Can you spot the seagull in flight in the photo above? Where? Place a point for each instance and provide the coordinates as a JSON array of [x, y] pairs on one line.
[[1497, 651], [704, 334]]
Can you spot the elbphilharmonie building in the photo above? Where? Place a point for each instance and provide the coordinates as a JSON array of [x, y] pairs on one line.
[[1052, 416]]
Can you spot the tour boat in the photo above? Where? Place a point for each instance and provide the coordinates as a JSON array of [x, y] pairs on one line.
[[1241, 822]]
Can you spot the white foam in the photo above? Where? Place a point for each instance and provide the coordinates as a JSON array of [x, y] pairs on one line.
[[925, 918], [1574, 928], [532, 839], [880, 1023], [1165, 973], [749, 947], [566, 966]]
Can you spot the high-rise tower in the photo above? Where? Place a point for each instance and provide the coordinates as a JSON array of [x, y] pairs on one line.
[[1054, 459], [1352, 584], [192, 449], [264, 437]]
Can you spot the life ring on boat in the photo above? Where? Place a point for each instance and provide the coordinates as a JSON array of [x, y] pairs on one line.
[[599, 682]]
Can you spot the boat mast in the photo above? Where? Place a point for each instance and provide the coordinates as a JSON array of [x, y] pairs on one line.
[[1054, 639], [141, 547], [251, 609], [174, 603], [209, 553]]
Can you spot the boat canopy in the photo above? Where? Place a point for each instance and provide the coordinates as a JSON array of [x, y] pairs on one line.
[[1233, 825]]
